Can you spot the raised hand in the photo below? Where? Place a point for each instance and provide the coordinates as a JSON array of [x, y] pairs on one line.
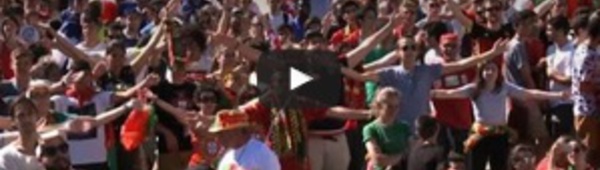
[[81, 124], [170, 9], [151, 80], [501, 45], [135, 104]]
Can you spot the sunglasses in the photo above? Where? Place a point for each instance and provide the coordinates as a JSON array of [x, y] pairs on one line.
[[53, 150], [409, 47]]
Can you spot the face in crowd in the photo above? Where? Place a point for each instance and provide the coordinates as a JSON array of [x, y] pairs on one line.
[[387, 103], [54, 153]]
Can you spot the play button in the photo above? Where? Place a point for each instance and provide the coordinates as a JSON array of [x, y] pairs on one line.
[[298, 79]]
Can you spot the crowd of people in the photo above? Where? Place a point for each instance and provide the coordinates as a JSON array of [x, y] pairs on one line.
[[428, 85]]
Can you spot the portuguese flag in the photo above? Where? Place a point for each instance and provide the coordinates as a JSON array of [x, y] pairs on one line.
[[138, 124]]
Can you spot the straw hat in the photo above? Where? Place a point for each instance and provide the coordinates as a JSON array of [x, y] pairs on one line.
[[229, 120]]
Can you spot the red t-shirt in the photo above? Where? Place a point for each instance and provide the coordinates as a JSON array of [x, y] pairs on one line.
[[262, 115], [455, 113], [346, 35], [536, 50], [543, 164], [5, 62]]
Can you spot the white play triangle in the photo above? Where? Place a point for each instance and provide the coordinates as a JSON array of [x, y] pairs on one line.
[[298, 78]]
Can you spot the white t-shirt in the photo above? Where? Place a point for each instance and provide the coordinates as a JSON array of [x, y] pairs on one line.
[[560, 59], [12, 159], [97, 51], [86, 148], [254, 155]]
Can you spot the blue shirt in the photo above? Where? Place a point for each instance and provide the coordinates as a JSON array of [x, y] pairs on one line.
[[415, 86]]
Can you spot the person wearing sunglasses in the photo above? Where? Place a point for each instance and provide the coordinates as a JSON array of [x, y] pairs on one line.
[[416, 80], [53, 151], [206, 148]]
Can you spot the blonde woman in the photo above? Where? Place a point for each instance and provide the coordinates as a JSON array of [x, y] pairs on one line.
[[385, 138]]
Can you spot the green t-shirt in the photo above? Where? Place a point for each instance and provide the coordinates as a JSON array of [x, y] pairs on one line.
[[391, 140]]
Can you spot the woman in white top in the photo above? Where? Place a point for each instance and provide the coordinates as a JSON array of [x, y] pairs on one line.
[[490, 135]]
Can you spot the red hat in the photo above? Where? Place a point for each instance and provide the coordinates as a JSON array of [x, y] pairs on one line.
[[448, 38]]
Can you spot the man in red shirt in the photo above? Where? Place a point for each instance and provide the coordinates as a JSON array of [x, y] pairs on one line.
[[453, 114]]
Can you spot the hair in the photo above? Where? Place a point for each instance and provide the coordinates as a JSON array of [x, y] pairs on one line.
[[362, 14], [514, 153], [349, 4], [385, 92], [579, 22], [436, 29], [593, 28], [17, 102], [203, 88], [21, 52], [115, 45], [522, 17], [480, 82], [81, 66], [43, 69], [558, 144], [426, 127], [194, 33], [560, 23], [5, 21], [38, 83], [583, 11]]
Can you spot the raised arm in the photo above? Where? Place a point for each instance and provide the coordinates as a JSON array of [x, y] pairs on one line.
[[356, 55], [180, 114], [143, 58], [459, 15], [63, 45], [545, 95], [150, 80], [248, 52], [462, 92], [388, 60], [528, 94], [225, 17], [499, 47], [347, 113], [367, 76], [542, 8]]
